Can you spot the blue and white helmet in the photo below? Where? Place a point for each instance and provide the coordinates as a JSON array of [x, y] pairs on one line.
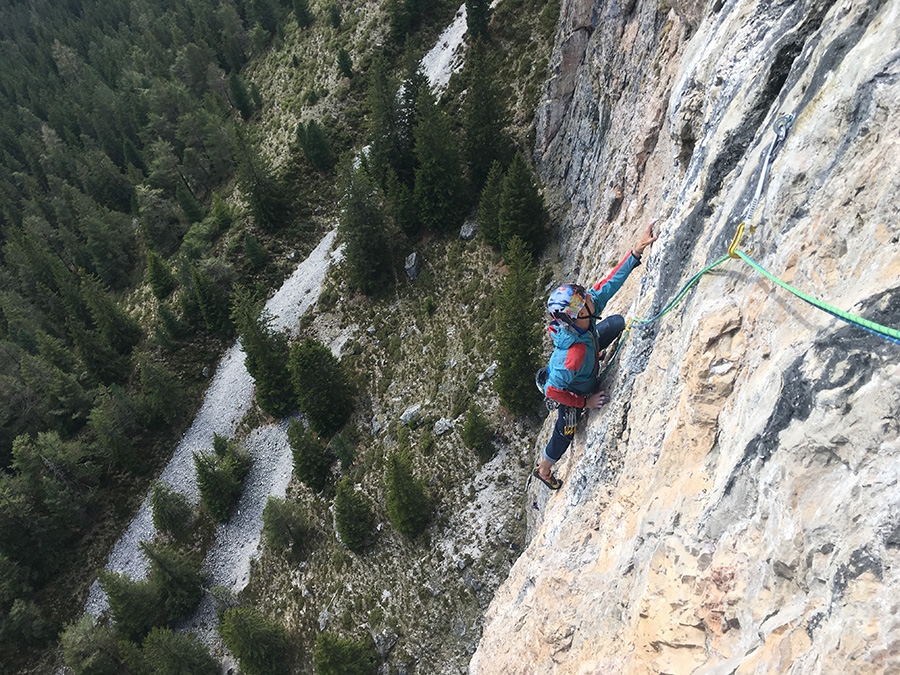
[[566, 302]]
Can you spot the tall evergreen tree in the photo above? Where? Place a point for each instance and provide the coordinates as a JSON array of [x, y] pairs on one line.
[[353, 515], [134, 605], [240, 95], [172, 514], [489, 206], [311, 460], [116, 421], [59, 399], [159, 276], [302, 13], [521, 212], [175, 577], [119, 329], [92, 648], [221, 480], [483, 119], [439, 190], [407, 501], [384, 145], [284, 525], [266, 355], [367, 252], [345, 63], [315, 145], [261, 645], [517, 331], [268, 197], [212, 299], [323, 389], [161, 397], [478, 14]]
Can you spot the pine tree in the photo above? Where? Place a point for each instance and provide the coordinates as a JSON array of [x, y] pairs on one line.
[[407, 501], [175, 578], [478, 14], [345, 63], [438, 187], [367, 253], [159, 276], [353, 515], [522, 212], [384, 145], [489, 206], [314, 142], [401, 205], [220, 480], [134, 605], [119, 329], [172, 514], [260, 644], [116, 421], [476, 433], [192, 209], [517, 331], [161, 397], [284, 525], [59, 399], [102, 361], [323, 389], [483, 119], [301, 12], [162, 222], [221, 213], [269, 200], [240, 95], [212, 298], [266, 355], [166, 652], [336, 656], [92, 648], [334, 15], [254, 252], [311, 460]]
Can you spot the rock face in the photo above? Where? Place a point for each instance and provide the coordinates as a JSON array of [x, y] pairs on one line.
[[736, 508]]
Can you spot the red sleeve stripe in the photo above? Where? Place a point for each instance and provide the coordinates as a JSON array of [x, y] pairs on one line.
[[609, 276], [575, 356], [565, 397]]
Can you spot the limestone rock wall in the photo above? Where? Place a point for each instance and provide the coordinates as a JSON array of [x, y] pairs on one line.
[[736, 508]]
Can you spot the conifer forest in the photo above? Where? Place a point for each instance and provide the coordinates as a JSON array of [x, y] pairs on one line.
[[148, 206]]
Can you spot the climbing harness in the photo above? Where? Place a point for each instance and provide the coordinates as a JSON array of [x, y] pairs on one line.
[[781, 127]]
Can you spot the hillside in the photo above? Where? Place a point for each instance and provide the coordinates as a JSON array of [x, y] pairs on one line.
[[735, 508]]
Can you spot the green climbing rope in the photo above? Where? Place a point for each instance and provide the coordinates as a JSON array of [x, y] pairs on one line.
[[886, 332]]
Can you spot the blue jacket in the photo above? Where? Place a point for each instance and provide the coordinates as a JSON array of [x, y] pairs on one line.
[[572, 371]]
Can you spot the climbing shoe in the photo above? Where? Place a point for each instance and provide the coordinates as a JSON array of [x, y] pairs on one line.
[[553, 482]]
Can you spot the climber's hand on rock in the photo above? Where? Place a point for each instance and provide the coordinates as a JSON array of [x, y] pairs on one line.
[[597, 400], [646, 239]]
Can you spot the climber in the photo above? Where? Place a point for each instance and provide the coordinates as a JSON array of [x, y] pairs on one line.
[[570, 380]]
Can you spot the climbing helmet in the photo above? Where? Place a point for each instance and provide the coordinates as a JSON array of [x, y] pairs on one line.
[[566, 302]]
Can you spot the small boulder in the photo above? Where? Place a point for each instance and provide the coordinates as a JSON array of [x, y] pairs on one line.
[[468, 230], [442, 426], [411, 414], [413, 265]]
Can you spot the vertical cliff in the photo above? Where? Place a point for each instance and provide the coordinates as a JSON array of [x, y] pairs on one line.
[[736, 508]]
